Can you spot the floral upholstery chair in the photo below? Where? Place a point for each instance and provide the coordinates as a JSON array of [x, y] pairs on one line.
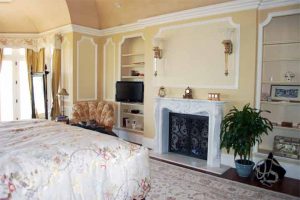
[[100, 112]]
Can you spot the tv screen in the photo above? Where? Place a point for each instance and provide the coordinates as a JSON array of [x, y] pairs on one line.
[[130, 91]]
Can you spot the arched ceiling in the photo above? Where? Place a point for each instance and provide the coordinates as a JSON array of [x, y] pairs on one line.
[[35, 16]]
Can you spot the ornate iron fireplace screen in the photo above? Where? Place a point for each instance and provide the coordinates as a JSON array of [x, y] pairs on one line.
[[188, 135]]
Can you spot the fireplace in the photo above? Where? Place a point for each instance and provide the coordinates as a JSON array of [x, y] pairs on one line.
[[188, 135], [212, 111]]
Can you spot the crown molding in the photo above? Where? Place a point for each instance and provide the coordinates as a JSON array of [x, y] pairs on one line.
[[267, 4], [62, 29], [227, 7], [86, 30]]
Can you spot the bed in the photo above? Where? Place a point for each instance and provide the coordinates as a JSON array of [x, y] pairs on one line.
[[42, 159]]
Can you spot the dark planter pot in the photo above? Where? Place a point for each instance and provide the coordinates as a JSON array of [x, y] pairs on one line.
[[244, 167]]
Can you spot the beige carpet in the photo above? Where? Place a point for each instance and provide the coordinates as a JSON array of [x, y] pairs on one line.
[[170, 182]]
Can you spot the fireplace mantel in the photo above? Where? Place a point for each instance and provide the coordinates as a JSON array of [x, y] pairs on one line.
[[212, 109]]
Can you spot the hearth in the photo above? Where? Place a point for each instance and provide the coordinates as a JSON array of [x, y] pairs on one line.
[[188, 135]]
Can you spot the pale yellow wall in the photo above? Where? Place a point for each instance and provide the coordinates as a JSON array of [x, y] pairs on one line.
[[241, 96], [194, 49], [245, 93], [67, 70]]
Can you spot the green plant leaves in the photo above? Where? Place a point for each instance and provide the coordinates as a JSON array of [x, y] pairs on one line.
[[241, 129]]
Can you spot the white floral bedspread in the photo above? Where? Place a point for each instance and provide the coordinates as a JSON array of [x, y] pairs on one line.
[[44, 160]]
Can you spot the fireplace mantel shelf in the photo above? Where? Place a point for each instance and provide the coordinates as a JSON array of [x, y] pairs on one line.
[[190, 100]]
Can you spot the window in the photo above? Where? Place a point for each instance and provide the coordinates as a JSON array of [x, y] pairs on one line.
[[14, 86]]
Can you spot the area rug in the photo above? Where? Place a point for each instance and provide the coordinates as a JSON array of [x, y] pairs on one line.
[[170, 182]]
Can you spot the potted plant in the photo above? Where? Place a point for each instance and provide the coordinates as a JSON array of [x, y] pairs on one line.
[[240, 130]]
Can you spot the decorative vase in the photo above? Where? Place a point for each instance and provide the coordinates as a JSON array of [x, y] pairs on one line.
[[244, 167]]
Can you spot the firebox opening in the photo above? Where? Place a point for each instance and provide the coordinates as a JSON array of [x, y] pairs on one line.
[[188, 135]]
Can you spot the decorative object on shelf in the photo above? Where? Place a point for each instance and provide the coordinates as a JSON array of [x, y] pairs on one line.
[[289, 76], [285, 92], [162, 91], [188, 93], [125, 121], [269, 171], [214, 96], [135, 111], [228, 50], [134, 73], [63, 92], [237, 134], [133, 124], [288, 147], [298, 125], [287, 124]]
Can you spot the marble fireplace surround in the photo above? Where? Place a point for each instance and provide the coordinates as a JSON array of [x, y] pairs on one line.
[[212, 109]]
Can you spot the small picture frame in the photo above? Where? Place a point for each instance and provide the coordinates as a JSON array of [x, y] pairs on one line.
[[285, 92]]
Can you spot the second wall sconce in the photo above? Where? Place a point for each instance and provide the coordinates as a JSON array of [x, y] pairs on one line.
[[228, 50], [157, 55]]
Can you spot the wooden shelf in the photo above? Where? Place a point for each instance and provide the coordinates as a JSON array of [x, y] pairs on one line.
[[133, 77], [280, 83], [132, 104], [132, 130], [281, 42], [282, 103], [283, 60], [287, 128], [132, 54], [133, 114], [263, 153], [133, 65]]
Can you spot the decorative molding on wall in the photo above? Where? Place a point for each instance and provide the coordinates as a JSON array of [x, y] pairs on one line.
[[96, 67], [266, 4], [66, 42], [108, 41], [236, 51], [227, 7], [260, 49], [86, 30]]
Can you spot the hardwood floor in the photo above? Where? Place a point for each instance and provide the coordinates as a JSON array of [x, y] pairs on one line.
[[287, 185]]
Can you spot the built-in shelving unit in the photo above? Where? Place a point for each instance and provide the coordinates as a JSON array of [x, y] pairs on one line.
[[132, 69], [280, 54]]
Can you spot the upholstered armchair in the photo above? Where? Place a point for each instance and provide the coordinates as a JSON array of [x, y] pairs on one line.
[[102, 113]]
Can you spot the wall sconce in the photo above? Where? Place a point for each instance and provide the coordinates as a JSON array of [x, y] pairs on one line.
[[228, 50], [157, 55]]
